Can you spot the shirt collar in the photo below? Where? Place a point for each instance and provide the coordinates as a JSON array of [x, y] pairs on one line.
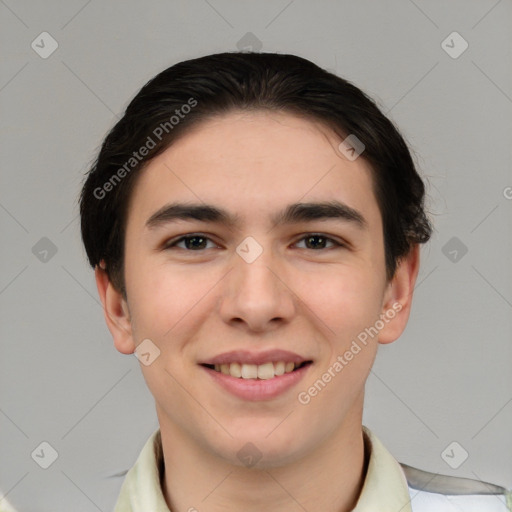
[[384, 489]]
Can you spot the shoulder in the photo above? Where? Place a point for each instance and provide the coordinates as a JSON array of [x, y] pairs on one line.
[[441, 493]]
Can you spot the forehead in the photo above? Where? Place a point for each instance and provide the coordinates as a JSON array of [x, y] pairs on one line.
[[252, 161]]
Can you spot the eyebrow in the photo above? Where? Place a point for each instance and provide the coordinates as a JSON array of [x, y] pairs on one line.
[[293, 213]]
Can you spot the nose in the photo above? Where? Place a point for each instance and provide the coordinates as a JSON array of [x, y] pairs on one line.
[[257, 296]]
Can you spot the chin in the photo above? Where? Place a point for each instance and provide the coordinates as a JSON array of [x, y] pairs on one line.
[[264, 448]]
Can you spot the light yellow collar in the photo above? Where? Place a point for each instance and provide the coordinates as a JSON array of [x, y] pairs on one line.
[[385, 487]]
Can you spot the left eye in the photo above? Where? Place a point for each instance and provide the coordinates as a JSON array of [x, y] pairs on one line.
[[198, 242], [313, 239]]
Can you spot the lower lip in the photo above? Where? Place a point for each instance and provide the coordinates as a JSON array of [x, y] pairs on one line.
[[258, 389]]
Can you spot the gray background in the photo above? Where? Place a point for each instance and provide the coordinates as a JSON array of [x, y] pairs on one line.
[[447, 379]]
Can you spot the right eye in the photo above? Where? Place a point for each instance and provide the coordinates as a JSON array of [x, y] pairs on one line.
[[193, 242]]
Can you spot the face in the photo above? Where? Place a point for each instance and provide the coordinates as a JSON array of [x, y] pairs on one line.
[[256, 285]]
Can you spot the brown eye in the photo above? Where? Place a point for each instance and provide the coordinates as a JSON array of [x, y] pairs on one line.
[[195, 242], [318, 241]]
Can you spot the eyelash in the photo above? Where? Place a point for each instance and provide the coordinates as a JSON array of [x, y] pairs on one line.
[[173, 243]]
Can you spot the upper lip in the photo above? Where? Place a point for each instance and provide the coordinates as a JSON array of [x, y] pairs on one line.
[[247, 357]]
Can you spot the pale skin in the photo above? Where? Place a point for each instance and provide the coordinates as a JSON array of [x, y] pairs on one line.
[[312, 299]]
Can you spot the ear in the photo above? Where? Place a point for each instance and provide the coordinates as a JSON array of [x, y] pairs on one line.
[[398, 297], [115, 309]]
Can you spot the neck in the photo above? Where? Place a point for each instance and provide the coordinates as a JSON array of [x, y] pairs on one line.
[[330, 478]]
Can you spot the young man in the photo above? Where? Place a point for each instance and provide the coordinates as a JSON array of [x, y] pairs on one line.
[[254, 223]]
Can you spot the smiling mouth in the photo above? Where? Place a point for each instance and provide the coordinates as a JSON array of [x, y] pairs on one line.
[[263, 371]]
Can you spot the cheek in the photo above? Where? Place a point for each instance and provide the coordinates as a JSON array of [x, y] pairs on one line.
[[347, 304], [170, 303], [347, 300], [159, 297]]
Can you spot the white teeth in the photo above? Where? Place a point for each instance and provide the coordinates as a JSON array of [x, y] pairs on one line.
[[279, 368], [249, 371], [265, 371], [254, 371], [235, 370]]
